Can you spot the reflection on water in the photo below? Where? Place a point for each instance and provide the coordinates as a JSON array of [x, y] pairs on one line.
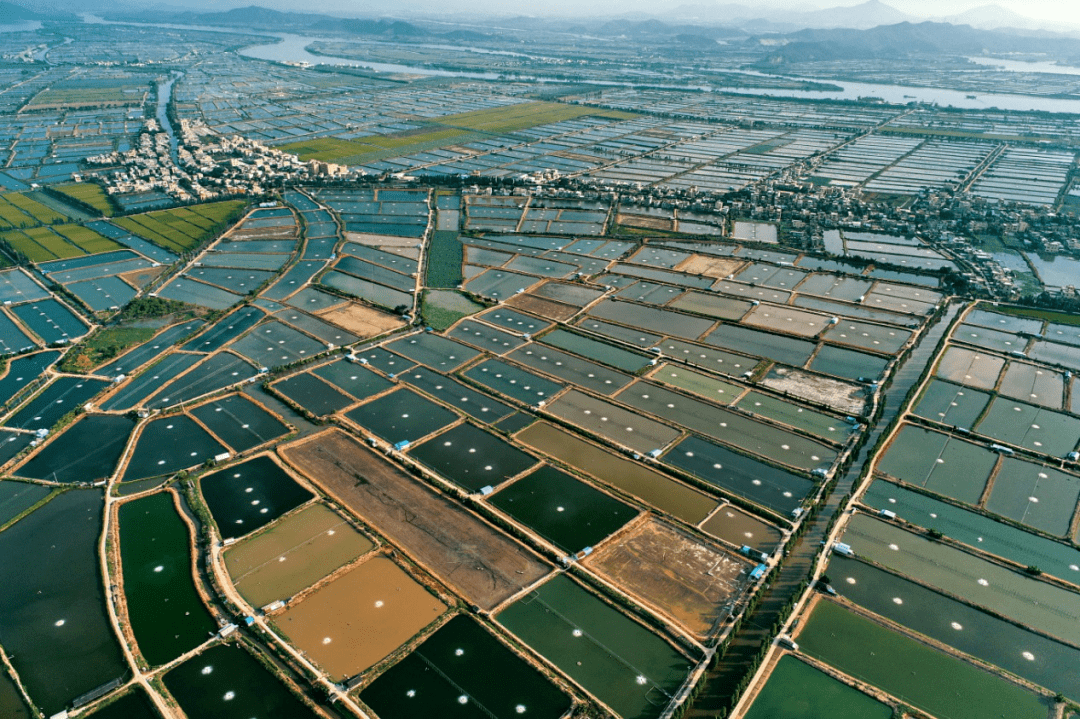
[[1058, 271], [1050, 68]]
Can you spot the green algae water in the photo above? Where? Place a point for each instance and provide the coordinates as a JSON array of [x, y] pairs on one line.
[[167, 616]]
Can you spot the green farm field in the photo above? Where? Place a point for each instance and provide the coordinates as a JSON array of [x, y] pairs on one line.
[[184, 228], [449, 130], [88, 194]]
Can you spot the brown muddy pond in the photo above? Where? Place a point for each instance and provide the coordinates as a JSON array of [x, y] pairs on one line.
[[360, 618]]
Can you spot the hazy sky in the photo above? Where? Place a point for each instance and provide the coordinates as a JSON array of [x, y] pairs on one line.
[[1053, 14], [1065, 10]]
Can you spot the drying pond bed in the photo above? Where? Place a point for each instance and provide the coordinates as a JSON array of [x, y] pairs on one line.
[[690, 580], [474, 558]]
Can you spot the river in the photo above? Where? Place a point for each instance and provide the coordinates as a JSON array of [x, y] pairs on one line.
[[292, 48], [25, 26], [164, 94], [1046, 67], [718, 692]]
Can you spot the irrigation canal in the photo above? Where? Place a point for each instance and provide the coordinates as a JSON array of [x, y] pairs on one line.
[[721, 682]]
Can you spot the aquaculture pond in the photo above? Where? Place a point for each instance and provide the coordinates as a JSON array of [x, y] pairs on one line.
[[218, 371], [1045, 607], [771, 487], [293, 554], [1040, 660], [313, 394], [64, 395], [691, 580], [166, 613], [226, 329], [360, 618], [472, 458], [148, 382], [598, 416], [22, 370], [563, 510], [402, 416], [730, 427], [51, 321], [478, 405], [1034, 428], [353, 378], [925, 678], [796, 690], [1037, 496], [246, 496], [596, 350], [54, 625], [819, 424], [226, 682], [170, 444], [514, 321], [86, 452], [486, 337], [708, 357], [431, 350], [938, 462], [977, 530], [713, 389], [513, 381], [12, 705], [620, 662], [951, 404], [652, 487], [742, 529], [11, 443], [463, 672], [848, 364], [17, 497], [571, 368], [239, 422]]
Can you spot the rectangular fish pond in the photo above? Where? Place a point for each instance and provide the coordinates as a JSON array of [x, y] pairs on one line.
[[463, 672], [292, 554], [620, 662], [226, 682], [360, 618], [911, 671]]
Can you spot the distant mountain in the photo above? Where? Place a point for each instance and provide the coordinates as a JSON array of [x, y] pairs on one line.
[[11, 13], [754, 17], [995, 17], [655, 29], [255, 17], [870, 14], [907, 40]]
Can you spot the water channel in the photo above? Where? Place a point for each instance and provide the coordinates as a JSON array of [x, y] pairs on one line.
[[720, 683], [164, 95]]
